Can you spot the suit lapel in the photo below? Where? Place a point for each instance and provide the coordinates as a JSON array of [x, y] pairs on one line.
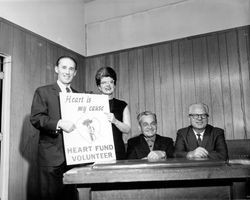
[[157, 142], [143, 148], [55, 92], [73, 90], [56, 89], [206, 135], [191, 138]]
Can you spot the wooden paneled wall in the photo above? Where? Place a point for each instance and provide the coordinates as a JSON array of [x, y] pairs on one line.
[[166, 78], [33, 61]]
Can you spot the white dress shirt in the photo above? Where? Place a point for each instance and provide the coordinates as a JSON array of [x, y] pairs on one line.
[[201, 134], [63, 87]]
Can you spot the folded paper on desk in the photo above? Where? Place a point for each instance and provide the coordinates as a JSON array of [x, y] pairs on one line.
[[81, 167], [133, 164], [239, 161]]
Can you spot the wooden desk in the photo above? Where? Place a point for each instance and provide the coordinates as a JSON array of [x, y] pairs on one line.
[[173, 179]]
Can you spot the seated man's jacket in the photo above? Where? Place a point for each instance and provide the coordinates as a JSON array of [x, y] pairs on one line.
[[213, 141], [138, 147]]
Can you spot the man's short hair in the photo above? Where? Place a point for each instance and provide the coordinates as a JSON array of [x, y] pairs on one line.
[[200, 104], [146, 113], [69, 57]]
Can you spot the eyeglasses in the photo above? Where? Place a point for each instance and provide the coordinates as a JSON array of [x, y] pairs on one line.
[[145, 124], [197, 116], [107, 82]]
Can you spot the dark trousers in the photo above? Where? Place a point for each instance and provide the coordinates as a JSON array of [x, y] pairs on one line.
[[51, 184]]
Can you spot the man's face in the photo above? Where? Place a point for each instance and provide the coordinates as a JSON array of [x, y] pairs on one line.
[[66, 70], [198, 117], [107, 85], [148, 125]]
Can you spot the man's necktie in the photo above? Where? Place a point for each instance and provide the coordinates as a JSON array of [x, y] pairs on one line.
[[67, 89], [150, 142], [199, 139]]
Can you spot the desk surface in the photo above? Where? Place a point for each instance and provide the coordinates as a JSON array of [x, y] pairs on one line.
[[142, 170], [169, 179]]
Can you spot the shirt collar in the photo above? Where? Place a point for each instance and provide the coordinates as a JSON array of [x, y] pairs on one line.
[[202, 133], [62, 86], [151, 139]]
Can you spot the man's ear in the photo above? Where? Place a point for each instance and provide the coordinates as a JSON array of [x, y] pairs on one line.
[[56, 69], [139, 128]]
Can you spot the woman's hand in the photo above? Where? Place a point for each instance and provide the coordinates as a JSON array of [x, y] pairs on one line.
[[111, 118], [124, 126]]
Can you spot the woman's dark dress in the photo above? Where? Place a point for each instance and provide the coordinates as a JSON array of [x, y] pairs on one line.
[[117, 107]]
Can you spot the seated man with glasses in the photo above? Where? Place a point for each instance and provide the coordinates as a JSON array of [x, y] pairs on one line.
[[200, 140], [149, 145]]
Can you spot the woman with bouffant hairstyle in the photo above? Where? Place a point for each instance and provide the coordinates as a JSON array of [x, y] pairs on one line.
[[119, 114]]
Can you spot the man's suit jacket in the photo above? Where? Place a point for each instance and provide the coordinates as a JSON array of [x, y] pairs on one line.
[[45, 114], [213, 141], [138, 147]]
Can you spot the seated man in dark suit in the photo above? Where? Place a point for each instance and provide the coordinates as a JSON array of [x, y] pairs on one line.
[[149, 145], [200, 140]]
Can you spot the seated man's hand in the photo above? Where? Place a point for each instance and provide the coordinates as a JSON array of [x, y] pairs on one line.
[[66, 126], [156, 155], [199, 152]]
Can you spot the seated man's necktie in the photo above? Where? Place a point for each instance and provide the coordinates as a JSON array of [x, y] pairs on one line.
[[150, 141], [199, 139]]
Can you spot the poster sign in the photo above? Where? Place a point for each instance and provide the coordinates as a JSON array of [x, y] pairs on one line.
[[92, 139]]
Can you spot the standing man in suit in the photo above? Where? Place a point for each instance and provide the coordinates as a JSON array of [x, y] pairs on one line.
[[46, 117], [149, 145], [200, 140]]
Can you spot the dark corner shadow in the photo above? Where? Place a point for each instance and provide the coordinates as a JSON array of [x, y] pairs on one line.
[[29, 150]]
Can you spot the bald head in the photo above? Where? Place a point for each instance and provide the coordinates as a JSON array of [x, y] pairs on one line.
[[198, 106]]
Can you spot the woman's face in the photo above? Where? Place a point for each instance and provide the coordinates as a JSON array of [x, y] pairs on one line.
[[107, 85]]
